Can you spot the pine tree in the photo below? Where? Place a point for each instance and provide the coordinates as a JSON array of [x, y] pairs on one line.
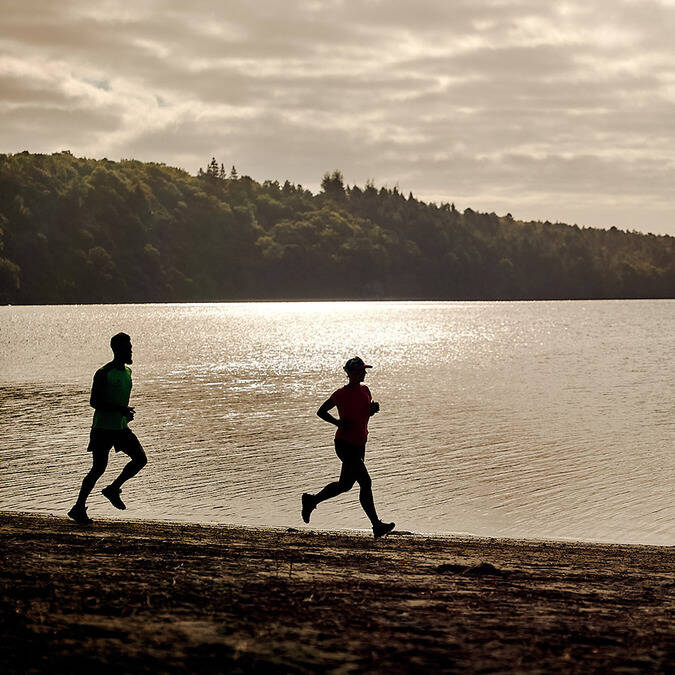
[[333, 184], [212, 170]]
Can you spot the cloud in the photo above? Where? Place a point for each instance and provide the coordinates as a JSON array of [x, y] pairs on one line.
[[550, 110]]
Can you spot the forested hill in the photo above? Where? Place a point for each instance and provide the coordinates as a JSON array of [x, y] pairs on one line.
[[82, 230]]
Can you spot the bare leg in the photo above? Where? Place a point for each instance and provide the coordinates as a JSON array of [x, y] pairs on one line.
[[366, 494], [344, 484], [99, 464], [130, 470]]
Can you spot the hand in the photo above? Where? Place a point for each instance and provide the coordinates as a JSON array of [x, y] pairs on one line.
[[374, 407], [129, 414]]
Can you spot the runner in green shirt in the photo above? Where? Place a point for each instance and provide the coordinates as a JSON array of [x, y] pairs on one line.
[[110, 399]]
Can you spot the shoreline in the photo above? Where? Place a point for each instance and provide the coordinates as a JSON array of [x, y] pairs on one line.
[[356, 531], [514, 539], [131, 596]]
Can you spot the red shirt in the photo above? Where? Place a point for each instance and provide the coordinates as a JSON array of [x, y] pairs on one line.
[[353, 404]]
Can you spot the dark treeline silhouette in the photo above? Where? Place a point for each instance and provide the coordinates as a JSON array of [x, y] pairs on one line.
[[83, 230]]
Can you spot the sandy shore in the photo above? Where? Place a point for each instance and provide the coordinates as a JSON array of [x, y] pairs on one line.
[[155, 597]]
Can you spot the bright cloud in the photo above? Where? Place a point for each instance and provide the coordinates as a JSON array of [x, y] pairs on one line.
[[561, 111]]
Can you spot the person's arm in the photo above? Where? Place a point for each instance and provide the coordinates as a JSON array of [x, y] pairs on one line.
[[98, 399], [323, 413], [373, 406]]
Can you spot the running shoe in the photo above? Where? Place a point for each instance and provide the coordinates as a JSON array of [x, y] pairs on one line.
[[113, 496], [380, 529], [79, 515]]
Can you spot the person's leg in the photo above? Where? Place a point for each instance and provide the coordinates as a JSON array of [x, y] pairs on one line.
[[380, 529], [130, 446], [366, 492], [99, 463], [348, 455], [343, 484]]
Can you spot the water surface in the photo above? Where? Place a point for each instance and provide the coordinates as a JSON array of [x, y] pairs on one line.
[[527, 419]]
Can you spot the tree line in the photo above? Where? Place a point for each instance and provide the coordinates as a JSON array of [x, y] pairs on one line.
[[75, 230]]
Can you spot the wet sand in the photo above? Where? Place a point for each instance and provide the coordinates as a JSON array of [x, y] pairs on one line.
[[138, 596]]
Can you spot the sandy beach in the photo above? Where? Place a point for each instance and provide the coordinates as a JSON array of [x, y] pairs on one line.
[[138, 596]]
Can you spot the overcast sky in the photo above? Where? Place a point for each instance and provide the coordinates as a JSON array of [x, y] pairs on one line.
[[549, 110]]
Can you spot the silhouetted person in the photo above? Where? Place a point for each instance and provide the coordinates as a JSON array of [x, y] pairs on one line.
[[355, 406], [110, 400]]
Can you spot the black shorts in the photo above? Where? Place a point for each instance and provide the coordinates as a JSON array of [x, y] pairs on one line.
[[123, 440], [349, 453]]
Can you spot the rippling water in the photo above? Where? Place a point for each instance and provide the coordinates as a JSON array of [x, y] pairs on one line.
[[527, 419]]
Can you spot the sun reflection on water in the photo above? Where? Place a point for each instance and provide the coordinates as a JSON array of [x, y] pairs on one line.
[[513, 419]]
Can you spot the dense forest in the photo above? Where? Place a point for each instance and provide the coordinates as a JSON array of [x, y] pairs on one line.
[[80, 230]]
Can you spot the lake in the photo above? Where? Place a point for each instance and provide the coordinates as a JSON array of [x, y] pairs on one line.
[[518, 419]]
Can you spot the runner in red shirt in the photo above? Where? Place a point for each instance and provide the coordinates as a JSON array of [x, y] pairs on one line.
[[355, 406]]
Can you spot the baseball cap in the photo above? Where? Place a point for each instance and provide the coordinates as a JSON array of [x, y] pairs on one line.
[[355, 364]]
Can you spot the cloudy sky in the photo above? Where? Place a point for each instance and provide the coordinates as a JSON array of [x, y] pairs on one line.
[[558, 110]]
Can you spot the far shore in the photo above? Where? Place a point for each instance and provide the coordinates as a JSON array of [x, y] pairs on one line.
[[137, 596]]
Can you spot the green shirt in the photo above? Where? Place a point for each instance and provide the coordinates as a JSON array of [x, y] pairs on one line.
[[110, 392]]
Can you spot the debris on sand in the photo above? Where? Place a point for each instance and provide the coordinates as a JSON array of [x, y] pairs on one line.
[[480, 570]]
